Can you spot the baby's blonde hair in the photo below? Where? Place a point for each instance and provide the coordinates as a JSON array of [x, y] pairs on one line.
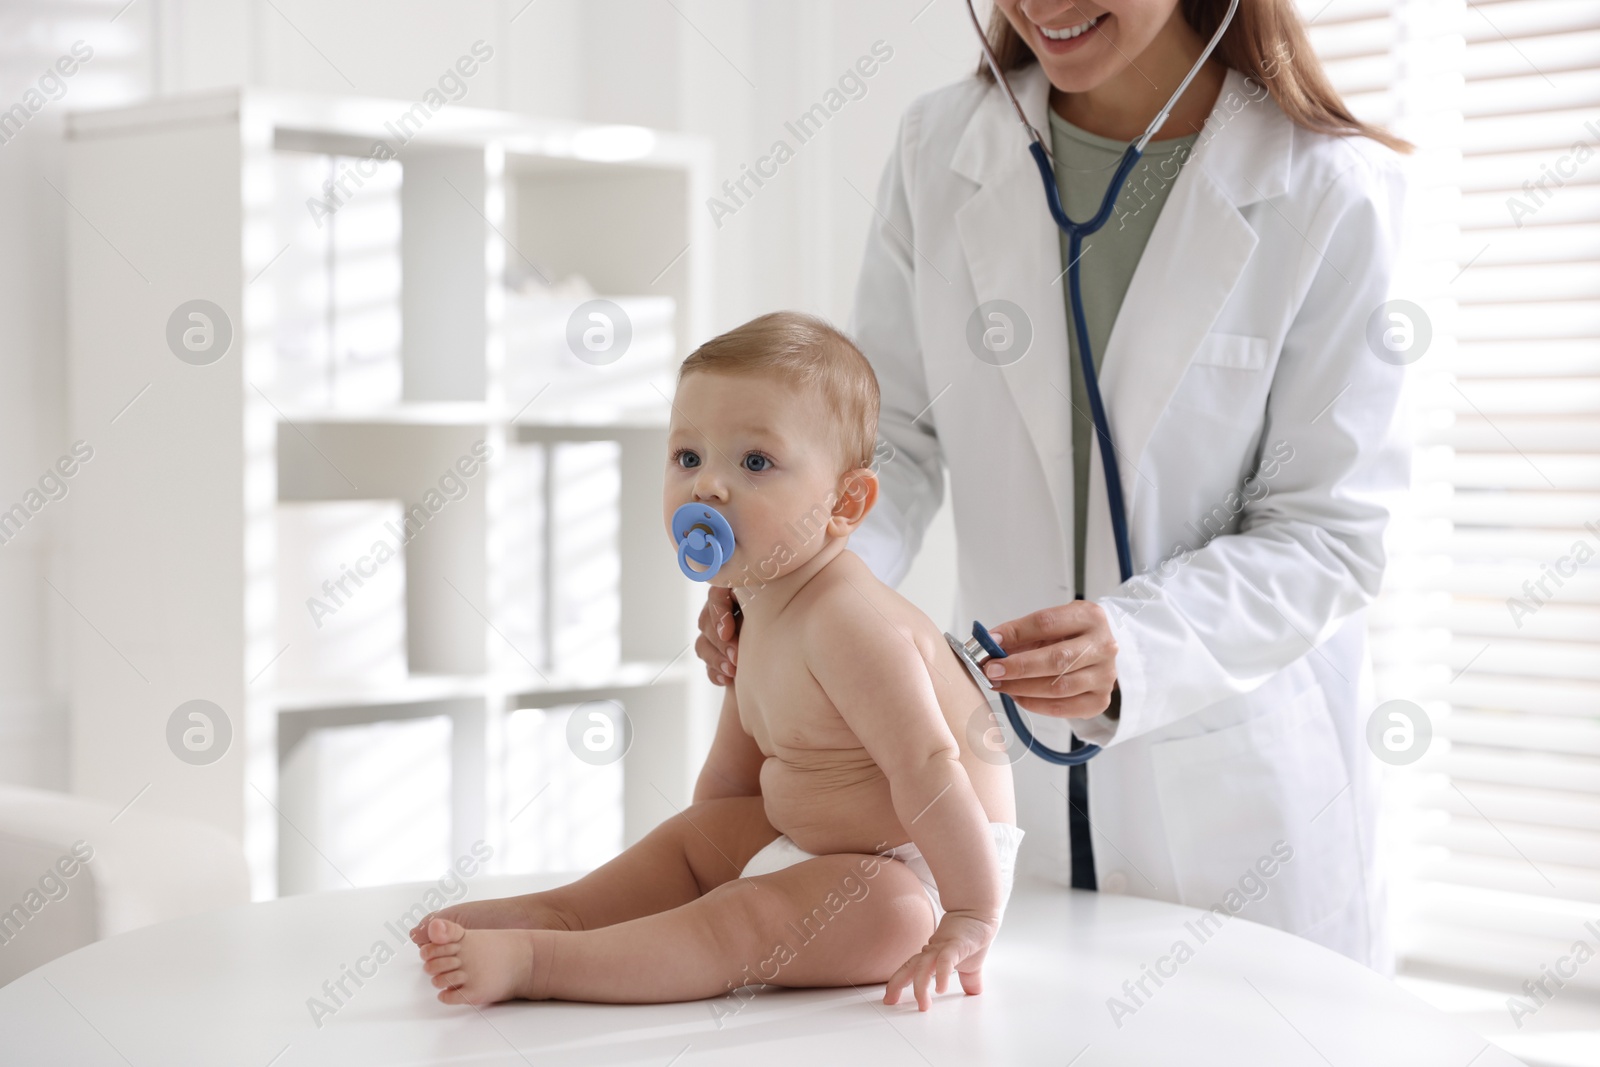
[[806, 353]]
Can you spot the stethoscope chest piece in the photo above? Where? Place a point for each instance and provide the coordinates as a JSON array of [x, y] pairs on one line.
[[704, 537], [979, 650]]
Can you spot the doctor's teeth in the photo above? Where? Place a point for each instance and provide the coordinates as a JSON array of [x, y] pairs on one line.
[[1069, 32]]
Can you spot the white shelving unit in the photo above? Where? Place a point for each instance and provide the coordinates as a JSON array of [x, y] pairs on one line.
[[173, 568]]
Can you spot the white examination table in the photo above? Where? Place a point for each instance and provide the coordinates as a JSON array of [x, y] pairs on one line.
[[231, 987]]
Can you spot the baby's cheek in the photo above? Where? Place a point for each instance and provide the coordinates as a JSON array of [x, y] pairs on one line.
[[773, 555]]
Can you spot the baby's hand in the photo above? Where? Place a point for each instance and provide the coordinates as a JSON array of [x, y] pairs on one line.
[[959, 944]]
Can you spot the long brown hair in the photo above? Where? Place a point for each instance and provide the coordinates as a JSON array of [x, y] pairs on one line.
[[1265, 41]]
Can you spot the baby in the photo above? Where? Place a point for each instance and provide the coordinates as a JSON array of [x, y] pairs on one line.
[[843, 831]]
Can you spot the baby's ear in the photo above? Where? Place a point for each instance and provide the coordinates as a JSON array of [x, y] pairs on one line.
[[858, 491]]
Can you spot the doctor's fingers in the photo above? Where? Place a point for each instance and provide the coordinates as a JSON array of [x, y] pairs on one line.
[[719, 664], [717, 620], [1058, 658], [1083, 706], [718, 643], [1055, 623], [1096, 678]]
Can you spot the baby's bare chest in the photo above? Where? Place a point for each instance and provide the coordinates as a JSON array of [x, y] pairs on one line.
[[781, 703]]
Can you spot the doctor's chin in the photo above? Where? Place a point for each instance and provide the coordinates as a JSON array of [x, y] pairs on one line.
[[556, 532]]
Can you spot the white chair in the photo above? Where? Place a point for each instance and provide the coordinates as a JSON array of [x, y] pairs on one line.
[[135, 871]]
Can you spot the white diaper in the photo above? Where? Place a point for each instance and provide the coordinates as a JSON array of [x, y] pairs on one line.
[[1007, 839]]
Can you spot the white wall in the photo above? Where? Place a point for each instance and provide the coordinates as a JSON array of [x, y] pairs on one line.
[[33, 723], [732, 70]]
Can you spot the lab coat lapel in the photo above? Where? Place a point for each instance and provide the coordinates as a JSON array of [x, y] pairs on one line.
[[1195, 257], [1012, 250], [1197, 252]]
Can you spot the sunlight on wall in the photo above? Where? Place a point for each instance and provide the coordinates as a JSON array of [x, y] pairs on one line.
[[574, 819], [585, 565], [341, 612], [338, 281], [370, 803]]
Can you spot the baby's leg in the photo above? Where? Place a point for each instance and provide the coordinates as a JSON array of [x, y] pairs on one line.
[[831, 921], [691, 853]]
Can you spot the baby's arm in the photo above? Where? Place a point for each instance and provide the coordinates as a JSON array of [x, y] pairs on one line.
[[733, 766], [878, 680]]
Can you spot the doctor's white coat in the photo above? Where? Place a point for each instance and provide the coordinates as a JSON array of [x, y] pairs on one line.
[[1243, 666]]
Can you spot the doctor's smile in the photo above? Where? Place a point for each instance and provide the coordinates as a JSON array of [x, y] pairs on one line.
[[928, 532], [1063, 39]]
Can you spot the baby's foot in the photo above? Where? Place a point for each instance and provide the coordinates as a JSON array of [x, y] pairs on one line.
[[503, 913], [481, 967]]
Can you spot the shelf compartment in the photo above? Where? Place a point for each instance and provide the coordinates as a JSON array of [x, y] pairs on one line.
[[220, 446]]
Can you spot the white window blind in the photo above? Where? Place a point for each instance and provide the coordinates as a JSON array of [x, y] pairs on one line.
[[1481, 623]]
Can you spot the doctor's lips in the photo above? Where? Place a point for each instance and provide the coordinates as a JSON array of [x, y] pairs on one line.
[[1070, 37]]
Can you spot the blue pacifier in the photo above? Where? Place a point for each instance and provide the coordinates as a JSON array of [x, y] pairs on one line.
[[703, 536]]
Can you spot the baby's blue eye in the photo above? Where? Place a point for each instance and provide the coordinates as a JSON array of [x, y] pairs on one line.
[[686, 458], [759, 459]]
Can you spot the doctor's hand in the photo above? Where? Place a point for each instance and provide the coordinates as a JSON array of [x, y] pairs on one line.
[[958, 946], [718, 645], [1060, 661]]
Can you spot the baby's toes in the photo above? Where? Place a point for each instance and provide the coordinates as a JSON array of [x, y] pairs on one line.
[[454, 988], [445, 931], [455, 996], [442, 964], [431, 951], [419, 932]]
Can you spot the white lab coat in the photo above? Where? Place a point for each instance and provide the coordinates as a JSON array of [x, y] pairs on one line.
[[1245, 677]]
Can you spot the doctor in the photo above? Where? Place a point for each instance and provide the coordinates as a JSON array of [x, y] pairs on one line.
[[1229, 302]]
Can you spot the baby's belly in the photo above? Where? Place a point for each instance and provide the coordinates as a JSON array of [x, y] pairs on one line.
[[834, 806]]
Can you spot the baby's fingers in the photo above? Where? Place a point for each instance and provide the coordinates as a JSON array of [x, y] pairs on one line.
[[916, 972], [972, 982], [930, 967], [899, 980], [926, 964], [944, 966]]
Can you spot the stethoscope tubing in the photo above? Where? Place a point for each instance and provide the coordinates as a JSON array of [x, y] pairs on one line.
[[1076, 232], [1039, 748], [992, 650]]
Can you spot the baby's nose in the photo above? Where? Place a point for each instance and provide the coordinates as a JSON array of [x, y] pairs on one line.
[[709, 488]]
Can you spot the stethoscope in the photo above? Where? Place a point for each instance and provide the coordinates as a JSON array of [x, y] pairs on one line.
[[704, 536], [981, 647]]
